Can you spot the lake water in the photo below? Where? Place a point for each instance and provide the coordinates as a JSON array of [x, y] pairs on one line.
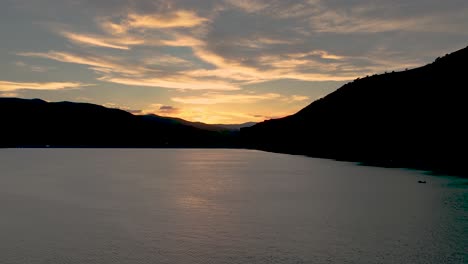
[[222, 206]]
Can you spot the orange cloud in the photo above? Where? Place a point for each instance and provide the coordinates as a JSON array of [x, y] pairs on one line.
[[179, 82], [298, 98], [216, 98], [281, 68], [102, 64], [110, 27], [125, 41], [94, 40], [8, 94], [7, 86], [177, 19]]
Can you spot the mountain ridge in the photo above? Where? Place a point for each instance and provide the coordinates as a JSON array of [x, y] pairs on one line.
[[412, 118], [37, 123]]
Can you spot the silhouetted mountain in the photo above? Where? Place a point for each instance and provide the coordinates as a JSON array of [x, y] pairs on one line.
[[235, 126], [415, 118], [226, 128], [65, 124], [179, 121]]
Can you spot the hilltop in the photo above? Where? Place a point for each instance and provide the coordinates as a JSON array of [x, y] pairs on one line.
[[414, 118]]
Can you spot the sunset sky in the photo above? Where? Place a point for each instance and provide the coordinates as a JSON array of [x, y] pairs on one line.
[[224, 61]]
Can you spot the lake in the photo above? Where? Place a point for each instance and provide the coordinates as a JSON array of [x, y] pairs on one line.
[[222, 206]]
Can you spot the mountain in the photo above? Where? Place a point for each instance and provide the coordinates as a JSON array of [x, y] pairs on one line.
[[179, 121], [66, 124], [414, 118], [235, 126], [210, 127]]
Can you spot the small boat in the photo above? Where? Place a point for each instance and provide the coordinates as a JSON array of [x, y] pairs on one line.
[[421, 181]]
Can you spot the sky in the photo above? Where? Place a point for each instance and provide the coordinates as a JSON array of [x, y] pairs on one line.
[[224, 61]]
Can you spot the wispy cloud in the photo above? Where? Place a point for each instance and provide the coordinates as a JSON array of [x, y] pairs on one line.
[[341, 22], [217, 98], [33, 68], [179, 82], [122, 43], [299, 98], [98, 63], [7, 86], [271, 67], [176, 19], [8, 94], [248, 5], [273, 61], [116, 71], [127, 41], [166, 60]]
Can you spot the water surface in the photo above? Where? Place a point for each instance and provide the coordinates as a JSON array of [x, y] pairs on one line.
[[222, 206]]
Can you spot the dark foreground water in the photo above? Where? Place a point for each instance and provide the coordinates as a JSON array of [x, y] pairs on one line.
[[222, 206]]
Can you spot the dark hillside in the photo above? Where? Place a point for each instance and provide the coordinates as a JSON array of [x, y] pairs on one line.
[[37, 123], [414, 118]]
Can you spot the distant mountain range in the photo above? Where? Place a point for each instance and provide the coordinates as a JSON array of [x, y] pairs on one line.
[[414, 118], [36, 123], [200, 125]]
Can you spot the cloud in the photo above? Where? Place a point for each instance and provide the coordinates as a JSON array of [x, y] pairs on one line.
[[217, 98], [97, 63], [248, 5], [100, 41], [340, 22], [177, 40], [262, 42], [298, 98], [126, 41], [33, 68], [140, 22], [273, 67], [260, 52], [179, 82], [167, 60], [168, 110], [134, 75], [8, 94], [7, 86], [176, 19], [163, 110]]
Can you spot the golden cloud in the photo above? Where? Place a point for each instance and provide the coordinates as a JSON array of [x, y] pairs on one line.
[[177, 19], [122, 43], [179, 82], [7, 86], [217, 98], [98, 63]]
